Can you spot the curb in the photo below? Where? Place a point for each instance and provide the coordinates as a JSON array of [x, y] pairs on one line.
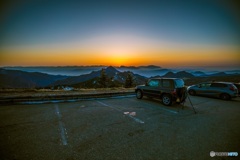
[[61, 98]]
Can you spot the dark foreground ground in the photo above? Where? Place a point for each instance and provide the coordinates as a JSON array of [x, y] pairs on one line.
[[103, 129]]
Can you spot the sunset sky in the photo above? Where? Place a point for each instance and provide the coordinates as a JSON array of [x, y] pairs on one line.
[[163, 33]]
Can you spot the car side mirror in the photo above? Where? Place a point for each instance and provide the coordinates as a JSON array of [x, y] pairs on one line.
[[199, 86]]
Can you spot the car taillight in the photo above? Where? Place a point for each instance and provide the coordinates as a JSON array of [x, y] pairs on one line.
[[174, 91], [232, 88]]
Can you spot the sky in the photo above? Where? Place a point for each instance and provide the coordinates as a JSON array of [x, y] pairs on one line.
[[164, 33]]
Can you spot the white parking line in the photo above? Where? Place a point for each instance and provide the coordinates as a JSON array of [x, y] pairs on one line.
[[134, 118], [61, 126], [169, 110]]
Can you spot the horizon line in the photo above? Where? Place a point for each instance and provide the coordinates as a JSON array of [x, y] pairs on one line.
[[118, 66]]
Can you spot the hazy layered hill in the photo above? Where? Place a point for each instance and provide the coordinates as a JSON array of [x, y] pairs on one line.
[[147, 71], [110, 71], [21, 79], [140, 67], [199, 73], [227, 78], [219, 74], [181, 74], [58, 70]]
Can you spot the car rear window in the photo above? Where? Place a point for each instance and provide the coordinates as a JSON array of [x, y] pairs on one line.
[[167, 83], [237, 85], [179, 83], [205, 85]]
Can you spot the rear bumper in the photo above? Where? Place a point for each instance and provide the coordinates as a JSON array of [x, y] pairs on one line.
[[235, 95]]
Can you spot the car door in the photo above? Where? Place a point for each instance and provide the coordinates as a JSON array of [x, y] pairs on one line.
[[167, 85], [152, 88], [204, 89], [217, 89]]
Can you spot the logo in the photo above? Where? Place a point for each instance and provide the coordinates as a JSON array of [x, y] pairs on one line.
[[212, 153], [226, 154]]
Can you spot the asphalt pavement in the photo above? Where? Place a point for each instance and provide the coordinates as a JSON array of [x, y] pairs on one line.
[[120, 128]]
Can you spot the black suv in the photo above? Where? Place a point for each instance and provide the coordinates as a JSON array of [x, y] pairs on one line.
[[167, 89]]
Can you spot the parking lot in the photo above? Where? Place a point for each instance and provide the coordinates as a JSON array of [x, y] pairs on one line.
[[120, 128]]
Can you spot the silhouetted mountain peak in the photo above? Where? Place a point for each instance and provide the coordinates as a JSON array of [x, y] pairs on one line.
[[198, 72], [184, 74], [181, 74], [169, 74], [21, 79], [111, 71], [150, 67]]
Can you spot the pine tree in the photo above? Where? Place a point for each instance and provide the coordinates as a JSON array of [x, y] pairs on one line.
[[129, 80], [103, 79]]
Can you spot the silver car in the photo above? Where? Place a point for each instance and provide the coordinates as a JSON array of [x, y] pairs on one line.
[[223, 90]]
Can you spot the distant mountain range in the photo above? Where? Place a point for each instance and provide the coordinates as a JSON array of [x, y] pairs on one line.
[[181, 74], [110, 72], [146, 71], [199, 73], [140, 67], [115, 77], [22, 79]]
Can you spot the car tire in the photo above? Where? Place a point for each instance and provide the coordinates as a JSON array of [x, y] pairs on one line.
[[192, 92], [139, 94], [225, 96], [167, 100]]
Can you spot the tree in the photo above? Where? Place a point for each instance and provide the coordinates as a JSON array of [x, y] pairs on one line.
[[103, 79], [129, 80]]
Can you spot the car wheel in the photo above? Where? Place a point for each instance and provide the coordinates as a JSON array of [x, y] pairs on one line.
[[139, 94], [192, 92], [225, 96], [166, 100]]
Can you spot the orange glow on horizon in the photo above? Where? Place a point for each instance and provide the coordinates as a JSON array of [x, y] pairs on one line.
[[117, 57]]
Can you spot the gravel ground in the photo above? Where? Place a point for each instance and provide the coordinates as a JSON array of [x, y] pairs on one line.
[[120, 128]]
